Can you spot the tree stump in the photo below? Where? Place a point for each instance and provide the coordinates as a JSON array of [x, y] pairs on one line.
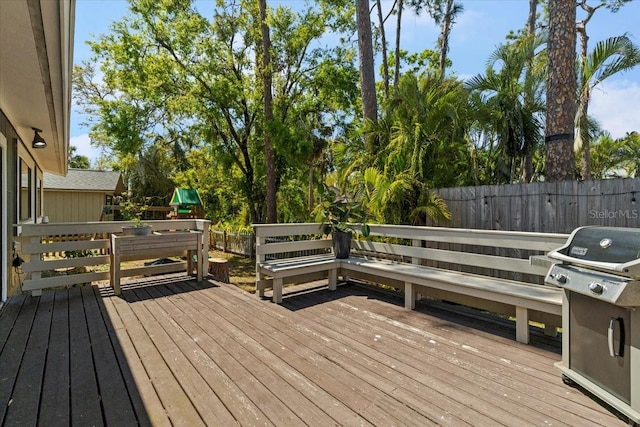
[[219, 269]]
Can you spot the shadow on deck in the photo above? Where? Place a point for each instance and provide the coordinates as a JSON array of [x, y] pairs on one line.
[[174, 352]]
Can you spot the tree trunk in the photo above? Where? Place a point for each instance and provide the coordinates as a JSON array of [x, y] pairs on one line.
[[383, 42], [396, 73], [367, 75], [445, 30], [561, 91], [268, 115], [527, 166], [582, 143]]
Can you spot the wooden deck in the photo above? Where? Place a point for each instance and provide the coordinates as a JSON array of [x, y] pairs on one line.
[[175, 352]]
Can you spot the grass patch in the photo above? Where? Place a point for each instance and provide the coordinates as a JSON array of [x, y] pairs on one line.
[[242, 270]]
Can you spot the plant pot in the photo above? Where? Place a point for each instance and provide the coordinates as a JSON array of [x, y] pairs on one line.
[[132, 230], [341, 244]]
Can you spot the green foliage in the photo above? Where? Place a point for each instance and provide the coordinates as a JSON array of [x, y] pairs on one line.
[[341, 213], [509, 104], [172, 81], [133, 211], [78, 253], [78, 161], [615, 157], [174, 99]]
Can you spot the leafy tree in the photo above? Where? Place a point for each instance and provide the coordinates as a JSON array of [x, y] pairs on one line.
[[267, 97], [78, 161], [171, 75]]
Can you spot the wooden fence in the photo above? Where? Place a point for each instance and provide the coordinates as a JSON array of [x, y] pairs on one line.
[[544, 207], [236, 243]]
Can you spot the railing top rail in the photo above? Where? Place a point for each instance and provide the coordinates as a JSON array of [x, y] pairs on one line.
[[63, 228], [287, 229], [495, 238]]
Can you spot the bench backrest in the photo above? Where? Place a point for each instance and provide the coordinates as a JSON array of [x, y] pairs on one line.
[[488, 252], [470, 250], [289, 240]]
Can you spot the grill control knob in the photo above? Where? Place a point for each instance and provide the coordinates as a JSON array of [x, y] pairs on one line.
[[596, 288], [561, 278]]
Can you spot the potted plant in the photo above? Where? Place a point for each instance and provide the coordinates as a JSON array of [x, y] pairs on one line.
[[132, 211], [341, 217]]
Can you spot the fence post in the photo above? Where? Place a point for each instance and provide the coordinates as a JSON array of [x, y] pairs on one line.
[[224, 241], [253, 245]]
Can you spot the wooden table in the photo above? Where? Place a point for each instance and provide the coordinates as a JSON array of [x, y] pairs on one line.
[[157, 245]]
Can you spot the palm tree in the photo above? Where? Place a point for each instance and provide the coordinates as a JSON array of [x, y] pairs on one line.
[[561, 90], [422, 130], [512, 103], [629, 153], [605, 156], [609, 57], [446, 19]]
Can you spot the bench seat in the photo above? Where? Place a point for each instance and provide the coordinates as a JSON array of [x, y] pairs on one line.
[[523, 297], [290, 268]]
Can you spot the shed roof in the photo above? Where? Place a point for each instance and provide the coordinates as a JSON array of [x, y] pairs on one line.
[[85, 180], [186, 197]]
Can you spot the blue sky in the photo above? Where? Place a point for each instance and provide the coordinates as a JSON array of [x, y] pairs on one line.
[[481, 27]]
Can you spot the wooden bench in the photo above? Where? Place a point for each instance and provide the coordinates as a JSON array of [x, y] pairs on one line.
[[280, 261], [157, 245], [432, 262]]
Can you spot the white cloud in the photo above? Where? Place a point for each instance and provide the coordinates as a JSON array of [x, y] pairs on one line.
[[84, 148], [616, 106]]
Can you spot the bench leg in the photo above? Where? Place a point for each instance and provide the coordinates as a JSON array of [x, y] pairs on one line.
[[199, 265], [333, 279], [260, 290], [522, 325], [277, 291], [409, 296], [114, 273]]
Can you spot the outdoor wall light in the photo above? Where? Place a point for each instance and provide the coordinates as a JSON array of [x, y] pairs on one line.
[[38, 141]]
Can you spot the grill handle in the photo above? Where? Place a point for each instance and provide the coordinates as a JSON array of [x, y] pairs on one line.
[[612, 350]]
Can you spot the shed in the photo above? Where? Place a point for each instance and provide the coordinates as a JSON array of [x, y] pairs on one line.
[[81, 195], [186, 203]]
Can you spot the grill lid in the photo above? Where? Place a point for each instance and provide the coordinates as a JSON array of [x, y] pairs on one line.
[[613, 249]]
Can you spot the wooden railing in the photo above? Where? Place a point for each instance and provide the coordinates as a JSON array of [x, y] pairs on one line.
[[66, 254], [240, 243]]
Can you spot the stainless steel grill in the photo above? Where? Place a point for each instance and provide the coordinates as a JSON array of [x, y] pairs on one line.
[[599, 270]]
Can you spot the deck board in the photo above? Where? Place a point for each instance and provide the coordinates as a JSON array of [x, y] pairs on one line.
[[55, 399], [27, 390], [174, 402], [118, 409], [245, 352], [171, 351], [85, 395], [13, 351]]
